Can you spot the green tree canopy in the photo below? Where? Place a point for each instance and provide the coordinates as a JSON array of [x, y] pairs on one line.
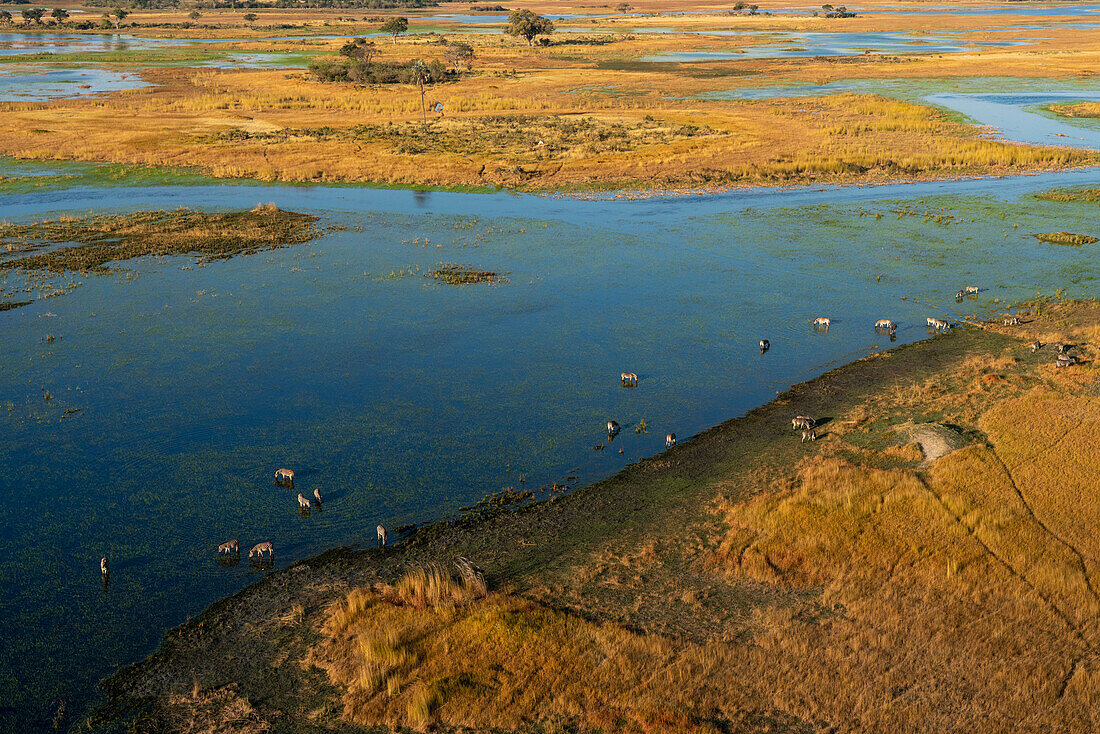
[[117, 16], [33, 15], [60, 14], [528, 25], [395, 27]]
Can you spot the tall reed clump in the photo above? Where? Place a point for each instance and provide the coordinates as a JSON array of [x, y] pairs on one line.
[[434, 584]]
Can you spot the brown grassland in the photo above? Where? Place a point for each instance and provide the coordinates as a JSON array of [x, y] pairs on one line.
[[929, 563], [581, 113]]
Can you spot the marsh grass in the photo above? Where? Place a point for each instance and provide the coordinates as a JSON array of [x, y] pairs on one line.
[[100, 239], [454, 274], [1065, 238]]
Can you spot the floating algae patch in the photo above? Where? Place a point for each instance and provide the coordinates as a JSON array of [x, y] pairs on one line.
[[1065, 238], [1089, 195], [100, 239], [453, 274]]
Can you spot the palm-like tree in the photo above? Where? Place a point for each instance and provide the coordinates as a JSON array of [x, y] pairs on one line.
[[421, 75]]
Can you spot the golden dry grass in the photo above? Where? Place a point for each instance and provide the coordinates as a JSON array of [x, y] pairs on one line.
[[639, 126]]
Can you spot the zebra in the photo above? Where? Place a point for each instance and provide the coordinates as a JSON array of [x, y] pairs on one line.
[[103, 566], [939, 324], [381, 535], [809, 435], [229, 547], [629, 378], [822, 322], [284, 475], [886, 324], [1012, 321], [960, 295], [317, 495], [303, 503], [1065, 348], [802, 421], [670, 440], [971, 290], [1065, 360], [1036, 345], [260, 548], [765, 345], [612, 428]]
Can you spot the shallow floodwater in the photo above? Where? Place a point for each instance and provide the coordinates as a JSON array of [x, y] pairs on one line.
[[178, 389], [799, 45], [30, 83], [1019, 115]]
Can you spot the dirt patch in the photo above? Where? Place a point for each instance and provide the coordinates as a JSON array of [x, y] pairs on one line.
[[934, 439]]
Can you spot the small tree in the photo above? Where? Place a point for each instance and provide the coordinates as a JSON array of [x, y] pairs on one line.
[[250, 17], [359, 48], [461, 53], [117, 16], [33, 15], [194, 15], [624, 8], [5, 17], [528, 25], [60, 15], [395, 27], [420, 76]]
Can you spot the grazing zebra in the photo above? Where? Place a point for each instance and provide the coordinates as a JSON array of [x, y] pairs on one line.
[[381, 535], [931, 320], [284, 475], [886, 324], [1036, 345], [103, 566], [809, 435], [630, 378], [1065, 360], [260, 548], [939, 324], [612, 428], [317, 495], [802, 421], [960, 295], [822, 321], [303, 503], [229, 547], [670, 440], [1065, 348], [971, 289], [765, 345], [1012, 321]]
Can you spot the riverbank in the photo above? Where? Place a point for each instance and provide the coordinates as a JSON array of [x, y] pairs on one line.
[[929, 542]]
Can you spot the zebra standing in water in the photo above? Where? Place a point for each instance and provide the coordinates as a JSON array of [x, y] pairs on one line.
[[381, 536]]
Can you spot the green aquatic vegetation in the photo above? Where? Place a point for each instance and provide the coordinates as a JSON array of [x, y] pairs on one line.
[[100, 239], [454, 274], [1087, 194], [1065, 238]]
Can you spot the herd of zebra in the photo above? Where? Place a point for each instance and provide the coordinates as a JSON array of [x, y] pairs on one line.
[[282, 477]]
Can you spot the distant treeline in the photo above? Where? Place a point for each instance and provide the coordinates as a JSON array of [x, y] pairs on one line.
[[257, 4]]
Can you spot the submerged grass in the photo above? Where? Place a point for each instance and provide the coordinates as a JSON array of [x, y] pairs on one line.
[[100, 239], [1065, 238], [454, 274]]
